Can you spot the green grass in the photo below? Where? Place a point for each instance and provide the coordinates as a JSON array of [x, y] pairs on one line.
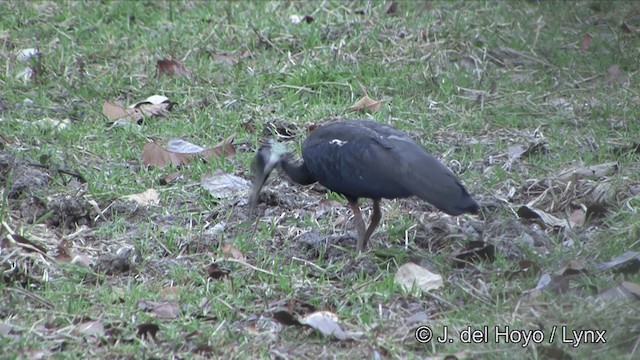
[[432, 63]]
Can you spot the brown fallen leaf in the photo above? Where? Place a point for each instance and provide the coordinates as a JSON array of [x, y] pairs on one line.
[[169, 178], [527, 212], [231, 58], [585, 43], [172, 67], [67, 255], [23, 243], [162, 309], [224, 148], [231, 251], [155, 155], [366, 104], [249, 125], [116, 112]]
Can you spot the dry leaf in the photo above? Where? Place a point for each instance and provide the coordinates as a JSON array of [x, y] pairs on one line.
[[627, 263], [223, 186], [67, 255], [625, 291], [183, 147], [154, 105], [593, 172], [366, 104], [578, 217], [231, 58], [326, 323], [326, 205], [162, 309], [586, 42], [411, 274], [116, 112], [170, 178], [91, 328], [573, 267], [23, 243], [169, 293], [527, 212], [615, 74], [148, 197], [284, 317], [224, 148], [172, 67], [231, 251], [154, 155]]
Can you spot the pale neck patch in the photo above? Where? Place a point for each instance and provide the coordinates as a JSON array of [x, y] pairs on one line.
[[337, 142]]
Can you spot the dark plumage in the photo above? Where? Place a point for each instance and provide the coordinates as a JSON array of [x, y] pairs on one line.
[[362, 158]]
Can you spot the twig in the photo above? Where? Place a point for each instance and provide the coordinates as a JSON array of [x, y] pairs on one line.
[[309, 263], [33, 296], [242, 262]]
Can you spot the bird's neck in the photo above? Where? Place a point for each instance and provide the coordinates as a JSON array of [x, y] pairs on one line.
[[299, 173]]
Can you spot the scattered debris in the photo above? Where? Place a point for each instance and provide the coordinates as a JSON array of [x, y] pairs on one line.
[[410, 275]]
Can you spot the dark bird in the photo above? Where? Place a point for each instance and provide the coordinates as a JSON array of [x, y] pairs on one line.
[[366, 159]]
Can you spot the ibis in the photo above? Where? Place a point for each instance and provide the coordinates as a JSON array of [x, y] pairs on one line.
[[365, 159]]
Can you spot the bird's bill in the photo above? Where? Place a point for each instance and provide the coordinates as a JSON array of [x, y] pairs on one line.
[[263, 164], [258, 183]]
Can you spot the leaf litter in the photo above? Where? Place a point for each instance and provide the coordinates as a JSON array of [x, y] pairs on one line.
[[564, 208]]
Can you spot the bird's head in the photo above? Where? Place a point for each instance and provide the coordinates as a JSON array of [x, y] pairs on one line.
[[269, 155]]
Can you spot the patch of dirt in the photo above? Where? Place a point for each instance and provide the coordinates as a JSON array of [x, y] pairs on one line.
[[69, 211], [24, 179]]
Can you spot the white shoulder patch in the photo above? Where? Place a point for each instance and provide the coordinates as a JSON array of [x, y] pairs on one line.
[[337, 142], [401, 138]]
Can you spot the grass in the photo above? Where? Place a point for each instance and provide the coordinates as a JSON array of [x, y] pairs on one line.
[[466, 79]]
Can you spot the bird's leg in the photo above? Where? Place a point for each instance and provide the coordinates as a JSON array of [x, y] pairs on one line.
[[375, 220], [360, 227]]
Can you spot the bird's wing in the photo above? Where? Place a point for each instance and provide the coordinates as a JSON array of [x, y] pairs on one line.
[[353, 160], [374, 160]]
